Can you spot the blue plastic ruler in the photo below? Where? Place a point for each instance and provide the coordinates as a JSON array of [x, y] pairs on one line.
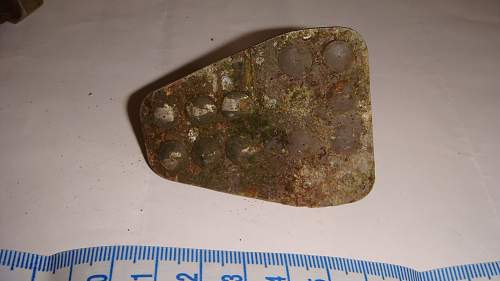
[[145, 263]]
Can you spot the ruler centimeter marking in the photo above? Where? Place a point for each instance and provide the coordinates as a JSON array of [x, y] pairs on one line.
[[186, 264]]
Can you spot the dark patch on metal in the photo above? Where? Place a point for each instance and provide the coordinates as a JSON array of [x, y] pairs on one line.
[[287, 120], [295, 61], [172, 155], [207, 151]]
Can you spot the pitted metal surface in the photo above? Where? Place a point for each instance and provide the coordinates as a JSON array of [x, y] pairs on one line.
[[287, 120]]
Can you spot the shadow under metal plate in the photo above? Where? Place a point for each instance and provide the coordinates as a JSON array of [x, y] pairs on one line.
[[287, 120]]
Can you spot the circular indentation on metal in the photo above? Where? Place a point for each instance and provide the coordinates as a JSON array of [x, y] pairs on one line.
[[339, 56], [202, 110], [346, 137], [345, 140], [236, 104], [241, 149], [295, 61], [172, 155], [207, 151], [165, 114], [275, 141], [341, 97], [301, 142]]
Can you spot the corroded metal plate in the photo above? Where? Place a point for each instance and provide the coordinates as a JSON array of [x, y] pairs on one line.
[[287, 120]]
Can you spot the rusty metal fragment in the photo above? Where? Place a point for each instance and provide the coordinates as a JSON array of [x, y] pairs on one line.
[[287, 120]]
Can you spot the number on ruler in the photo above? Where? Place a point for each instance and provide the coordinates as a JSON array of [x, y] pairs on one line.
[[235, 277], [184, 277]]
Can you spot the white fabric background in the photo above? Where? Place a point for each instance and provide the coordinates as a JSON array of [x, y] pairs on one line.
[[72, 173]]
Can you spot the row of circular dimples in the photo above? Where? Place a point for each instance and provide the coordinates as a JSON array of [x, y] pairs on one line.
[[206, 152], [203, 110], [296, 60]]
